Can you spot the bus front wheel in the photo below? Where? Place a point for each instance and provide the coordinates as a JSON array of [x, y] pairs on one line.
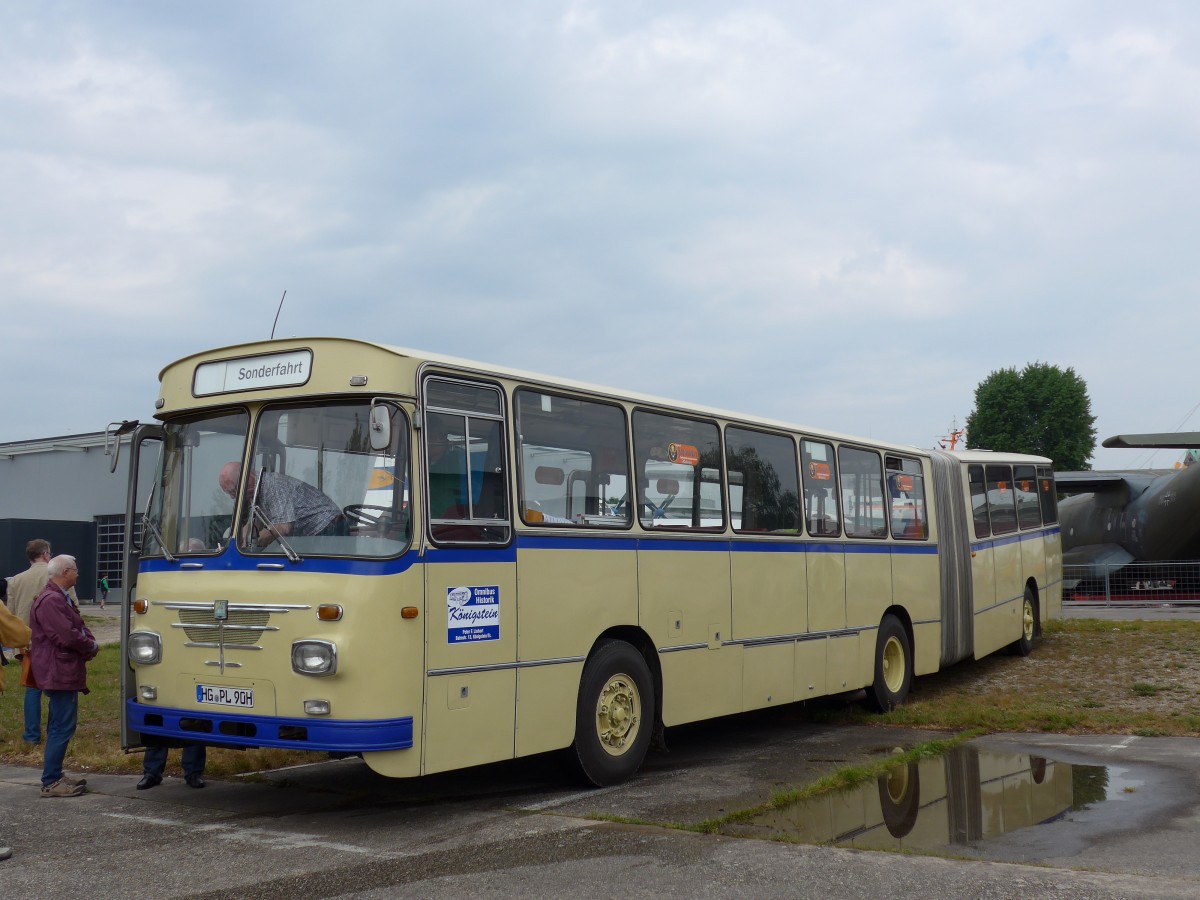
[[614, 717], [893, 666]]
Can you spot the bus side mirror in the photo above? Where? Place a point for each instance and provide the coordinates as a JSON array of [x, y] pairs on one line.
[[112, 440], [380, 427]]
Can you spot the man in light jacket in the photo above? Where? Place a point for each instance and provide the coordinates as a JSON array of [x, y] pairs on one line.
[[60, 650]]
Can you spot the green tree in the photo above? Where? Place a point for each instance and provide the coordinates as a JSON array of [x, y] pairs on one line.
[[1042, 410]]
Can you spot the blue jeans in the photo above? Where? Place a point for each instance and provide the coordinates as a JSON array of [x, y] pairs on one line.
[[60, 728], [155, 760], [33, 716]]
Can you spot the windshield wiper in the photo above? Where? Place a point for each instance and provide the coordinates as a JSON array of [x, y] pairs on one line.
[[257, 513], [148, 523]]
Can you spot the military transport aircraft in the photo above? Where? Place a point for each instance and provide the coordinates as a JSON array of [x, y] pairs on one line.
[[1113, 519]]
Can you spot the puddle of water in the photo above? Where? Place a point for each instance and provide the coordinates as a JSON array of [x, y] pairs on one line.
[[964, 797]]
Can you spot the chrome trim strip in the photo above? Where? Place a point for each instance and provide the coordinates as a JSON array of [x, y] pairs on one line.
[[243, 607], [797, 638], [213, 645], [220, 625], [191, 565], [271, 567], [498, 667], [225, 664], [683, 647]]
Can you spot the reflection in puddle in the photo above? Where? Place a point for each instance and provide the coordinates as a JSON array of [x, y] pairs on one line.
[[965, 796]]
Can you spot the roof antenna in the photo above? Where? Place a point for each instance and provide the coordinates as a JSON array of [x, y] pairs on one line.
[[276, 322]]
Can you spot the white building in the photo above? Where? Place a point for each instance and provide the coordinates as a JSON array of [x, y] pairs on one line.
[[61, 489]]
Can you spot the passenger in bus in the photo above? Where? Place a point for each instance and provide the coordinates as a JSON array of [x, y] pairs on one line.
[[292, 506]]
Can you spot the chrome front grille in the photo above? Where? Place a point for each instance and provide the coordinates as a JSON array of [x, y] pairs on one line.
[[244, 626], [241, 629]]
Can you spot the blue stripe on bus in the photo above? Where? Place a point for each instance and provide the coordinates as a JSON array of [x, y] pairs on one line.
[[553, 542], [347, 736], [232, 561], [1016, 538]]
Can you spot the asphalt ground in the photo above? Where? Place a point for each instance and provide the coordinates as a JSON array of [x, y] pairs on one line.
[[335, 829]]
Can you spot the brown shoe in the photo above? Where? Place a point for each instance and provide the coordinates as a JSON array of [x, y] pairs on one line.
[[74, 782], [60, 788]]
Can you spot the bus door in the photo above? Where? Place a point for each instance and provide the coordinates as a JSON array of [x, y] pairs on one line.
[[983, 568], [684, 587], [470, 577], [767, 566], [144, 458], [1029, 518], [826, 560], [999, 622]]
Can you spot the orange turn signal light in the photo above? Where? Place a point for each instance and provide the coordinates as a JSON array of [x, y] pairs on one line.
[[140, 605], [329, 612], [409, 612]]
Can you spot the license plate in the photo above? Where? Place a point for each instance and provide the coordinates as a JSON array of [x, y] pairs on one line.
[[225, 696]]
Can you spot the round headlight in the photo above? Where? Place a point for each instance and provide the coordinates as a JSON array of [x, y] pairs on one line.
[[144, 648], [314, 657]]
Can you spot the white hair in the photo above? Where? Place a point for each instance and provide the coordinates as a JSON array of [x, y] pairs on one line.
[[59, 565]]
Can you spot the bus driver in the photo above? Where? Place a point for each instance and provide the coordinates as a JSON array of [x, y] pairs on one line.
[[291, 506]]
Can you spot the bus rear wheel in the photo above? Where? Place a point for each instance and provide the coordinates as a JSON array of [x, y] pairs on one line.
[[614, 717], [1023, 645], [893, 666]]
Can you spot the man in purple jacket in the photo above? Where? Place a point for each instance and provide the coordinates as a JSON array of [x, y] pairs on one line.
[[59, 653]]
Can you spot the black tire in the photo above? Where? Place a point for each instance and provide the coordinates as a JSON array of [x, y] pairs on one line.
[[1037, 769], [1023, 645], [893, 666], [614, 716], [900, 799]]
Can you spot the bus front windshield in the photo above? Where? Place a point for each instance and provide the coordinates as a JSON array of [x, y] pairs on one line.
[[316, 487], [188, 512]]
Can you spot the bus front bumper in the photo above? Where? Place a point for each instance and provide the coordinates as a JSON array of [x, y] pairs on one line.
[[223, 729]]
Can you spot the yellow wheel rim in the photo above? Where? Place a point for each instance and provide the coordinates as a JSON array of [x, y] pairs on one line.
[[893, 664], [1027, 623], [618, 715], [897, 784]]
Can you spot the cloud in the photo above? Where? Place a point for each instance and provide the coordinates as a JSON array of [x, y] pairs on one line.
[[842, 220]]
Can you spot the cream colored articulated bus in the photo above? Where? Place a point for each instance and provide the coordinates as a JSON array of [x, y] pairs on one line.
[[438, 563]]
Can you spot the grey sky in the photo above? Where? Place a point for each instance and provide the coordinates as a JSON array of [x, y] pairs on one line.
[[842, 219]]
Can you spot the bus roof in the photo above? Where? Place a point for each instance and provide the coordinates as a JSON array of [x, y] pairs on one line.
[[552, 382]]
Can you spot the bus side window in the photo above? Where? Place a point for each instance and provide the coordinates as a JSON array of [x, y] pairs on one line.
[[862, 492], [906, 488], [1046, 495], [574, 461], [1002, 501], [763, 490], [979, 502], [467, 482], [821, 511], [679, 466], [1029, 513]]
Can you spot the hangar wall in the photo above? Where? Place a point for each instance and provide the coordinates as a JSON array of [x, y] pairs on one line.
[[61, 489]]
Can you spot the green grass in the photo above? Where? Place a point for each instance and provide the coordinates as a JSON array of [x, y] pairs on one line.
[[1084, 676], [96, 746]]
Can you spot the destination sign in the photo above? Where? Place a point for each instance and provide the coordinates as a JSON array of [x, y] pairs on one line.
[[252, 373]]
